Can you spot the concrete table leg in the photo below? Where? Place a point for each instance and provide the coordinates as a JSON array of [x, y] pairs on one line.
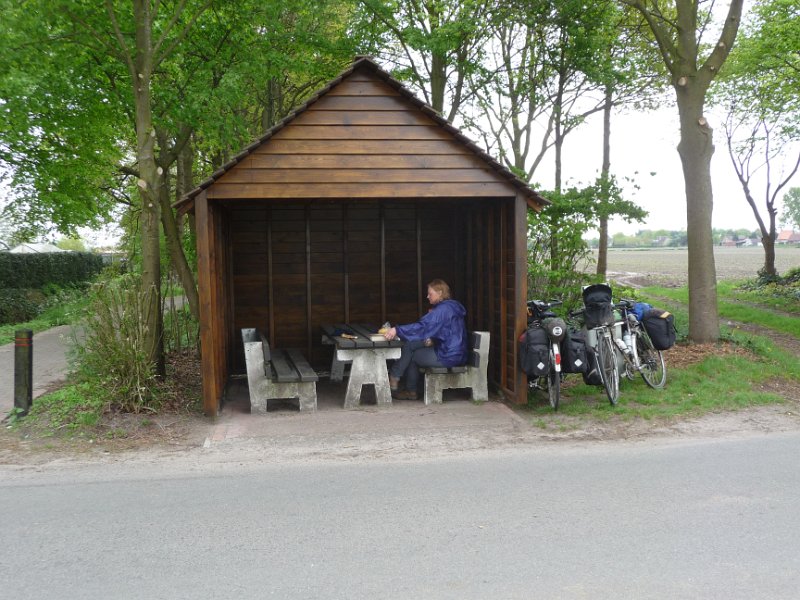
[[369, 366]]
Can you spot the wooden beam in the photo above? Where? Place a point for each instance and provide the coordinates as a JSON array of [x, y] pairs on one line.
[[270, 280], [204, 284], [308, 280], [521, 290]]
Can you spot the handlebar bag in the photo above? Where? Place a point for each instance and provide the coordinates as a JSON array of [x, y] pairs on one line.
[[534, 352], [660, 326], [573, 353]]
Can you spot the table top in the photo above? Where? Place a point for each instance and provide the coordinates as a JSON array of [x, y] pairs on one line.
[[332, 334]]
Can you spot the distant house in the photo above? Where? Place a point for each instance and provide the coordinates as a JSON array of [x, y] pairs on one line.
[[35, 248], [788, 236], [749, 242], [728, 241], [662, 241]]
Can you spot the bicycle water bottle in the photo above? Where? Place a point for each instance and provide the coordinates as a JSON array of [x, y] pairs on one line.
[[626, 337]]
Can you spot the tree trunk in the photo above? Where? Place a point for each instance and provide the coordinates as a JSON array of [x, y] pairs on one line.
[[176, 254], [605, 173], [768, 241], [438, 82], [148, 187], [696, 149]]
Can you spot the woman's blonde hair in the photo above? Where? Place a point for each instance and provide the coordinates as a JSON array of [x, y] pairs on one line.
[[440, 286]]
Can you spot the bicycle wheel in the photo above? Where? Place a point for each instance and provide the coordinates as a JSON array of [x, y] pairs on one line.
[[608, 368], [651, 362], [553, 386]]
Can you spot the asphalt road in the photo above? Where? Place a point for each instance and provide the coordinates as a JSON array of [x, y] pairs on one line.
[[681, 519]]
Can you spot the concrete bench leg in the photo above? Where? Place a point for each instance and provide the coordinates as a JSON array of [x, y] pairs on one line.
[[337, 368], [307, 396]]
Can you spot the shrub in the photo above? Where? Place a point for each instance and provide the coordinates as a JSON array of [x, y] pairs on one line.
[[37, 270], [113, 350], [18, 305]]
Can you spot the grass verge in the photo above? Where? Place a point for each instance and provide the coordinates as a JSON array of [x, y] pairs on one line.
[[742, 370], [758, 309]]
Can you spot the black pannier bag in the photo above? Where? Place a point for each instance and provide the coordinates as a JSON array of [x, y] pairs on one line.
[[660, 326], [573, 353], [534, 352], [591, 376], [598, 307]]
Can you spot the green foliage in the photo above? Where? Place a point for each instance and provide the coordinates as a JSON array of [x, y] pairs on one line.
[[37, 270], [19, 305], [114, 351], [556, 247], [791, 208], [764, 66], [557, 251]]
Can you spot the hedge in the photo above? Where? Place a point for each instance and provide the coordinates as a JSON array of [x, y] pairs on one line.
[[36, 270]]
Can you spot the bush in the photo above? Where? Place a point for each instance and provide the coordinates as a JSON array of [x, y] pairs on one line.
[[36, 270], [18, 306], [113, 351]]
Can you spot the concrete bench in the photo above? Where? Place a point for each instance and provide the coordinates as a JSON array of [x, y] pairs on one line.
[[273, 374], [472, 375]]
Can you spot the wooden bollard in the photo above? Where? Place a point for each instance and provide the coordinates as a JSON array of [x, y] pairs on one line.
[[23, 370]]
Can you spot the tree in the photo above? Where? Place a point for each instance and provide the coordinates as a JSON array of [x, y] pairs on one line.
[[760, 88], [630, 77], [435, 45], [760, 148], [791, 208], [78, 78], [678, 29]]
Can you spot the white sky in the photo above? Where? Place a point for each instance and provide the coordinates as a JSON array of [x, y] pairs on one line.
[[645, 143]]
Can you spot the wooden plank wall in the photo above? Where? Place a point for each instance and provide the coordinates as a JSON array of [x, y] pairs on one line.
[[296, 267], [361, 140]]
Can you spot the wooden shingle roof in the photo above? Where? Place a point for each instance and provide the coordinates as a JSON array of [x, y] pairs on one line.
[[362, 135]]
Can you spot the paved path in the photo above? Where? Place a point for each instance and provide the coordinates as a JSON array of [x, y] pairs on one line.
[[49, 364]]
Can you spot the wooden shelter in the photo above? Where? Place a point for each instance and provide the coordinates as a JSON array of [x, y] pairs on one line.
[[342, 213]]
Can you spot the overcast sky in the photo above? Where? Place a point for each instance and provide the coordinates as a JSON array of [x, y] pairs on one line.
[[645, 143]]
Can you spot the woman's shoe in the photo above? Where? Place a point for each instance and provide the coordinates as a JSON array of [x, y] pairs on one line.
[[405, 395]]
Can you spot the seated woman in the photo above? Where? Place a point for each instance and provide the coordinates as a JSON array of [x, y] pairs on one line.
[[439, 339]]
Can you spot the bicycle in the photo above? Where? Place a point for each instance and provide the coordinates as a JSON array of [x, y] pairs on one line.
[[541, 316], [637, 348], [598, 319], [603, 352]]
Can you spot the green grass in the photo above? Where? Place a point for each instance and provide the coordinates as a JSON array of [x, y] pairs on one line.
[[719, 382], [71, 409], [735, 311]]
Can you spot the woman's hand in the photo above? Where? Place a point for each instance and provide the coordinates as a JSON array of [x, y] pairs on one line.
[[390, 334]]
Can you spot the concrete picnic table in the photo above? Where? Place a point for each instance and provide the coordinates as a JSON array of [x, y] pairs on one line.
[[354, 343]]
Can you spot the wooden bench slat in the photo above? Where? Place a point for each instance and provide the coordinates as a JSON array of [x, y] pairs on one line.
[[301, 365], [284, 373]]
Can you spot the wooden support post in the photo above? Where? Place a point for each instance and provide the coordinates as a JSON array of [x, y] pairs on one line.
[[23, 370]]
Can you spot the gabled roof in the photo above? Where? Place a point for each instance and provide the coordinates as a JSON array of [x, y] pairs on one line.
[[788, 235], [534, 199], [35, 248]]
